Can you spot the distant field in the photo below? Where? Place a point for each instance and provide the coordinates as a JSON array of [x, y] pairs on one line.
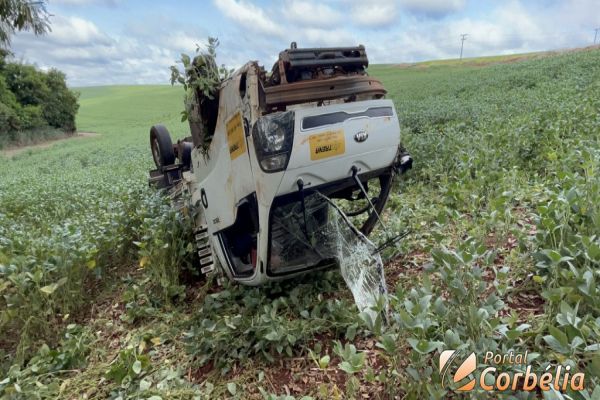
[[129, 111], [502, 205], [489, 60], [478, 61]]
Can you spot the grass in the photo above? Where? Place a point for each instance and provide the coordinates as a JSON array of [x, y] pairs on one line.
[[99, 299], [30, 137]]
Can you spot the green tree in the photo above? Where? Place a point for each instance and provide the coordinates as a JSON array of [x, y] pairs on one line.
[[27, 83], [9, 110], [3, 54], [22, 15], [31, 99], [60, 105]]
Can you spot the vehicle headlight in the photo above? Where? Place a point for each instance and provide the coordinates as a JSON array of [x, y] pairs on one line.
[[273, 137]]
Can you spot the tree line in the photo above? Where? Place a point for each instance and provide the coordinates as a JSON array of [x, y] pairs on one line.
[[32, 102], [33, 99]]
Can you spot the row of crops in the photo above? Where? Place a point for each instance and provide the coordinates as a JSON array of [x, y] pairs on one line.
[[502, 203]]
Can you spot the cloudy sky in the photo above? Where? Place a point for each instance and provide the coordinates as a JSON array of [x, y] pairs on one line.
[[100, 42]]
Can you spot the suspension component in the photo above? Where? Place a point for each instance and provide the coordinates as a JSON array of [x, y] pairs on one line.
[[354, 170], [403, 161]]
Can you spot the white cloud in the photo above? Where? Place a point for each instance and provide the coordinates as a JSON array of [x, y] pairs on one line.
[[249, 16], [91, 57], [108, 3], [317, 37], [182, 41], [510, 28], [308, 13], [507, 29], [142, 53], [374, 14], [433, 7], [74, 31]]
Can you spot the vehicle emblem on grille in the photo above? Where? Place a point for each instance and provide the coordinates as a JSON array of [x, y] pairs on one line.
[[361, 136]]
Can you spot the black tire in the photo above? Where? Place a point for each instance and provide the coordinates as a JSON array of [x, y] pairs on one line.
[[185, 154], [161, 146]]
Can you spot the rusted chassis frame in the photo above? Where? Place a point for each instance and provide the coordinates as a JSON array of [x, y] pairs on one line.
[[323, 89]]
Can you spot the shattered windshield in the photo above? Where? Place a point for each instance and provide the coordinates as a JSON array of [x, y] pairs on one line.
[[297, 236], [320, 234]]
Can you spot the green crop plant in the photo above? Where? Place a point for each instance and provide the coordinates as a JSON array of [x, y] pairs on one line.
[[503, 255]]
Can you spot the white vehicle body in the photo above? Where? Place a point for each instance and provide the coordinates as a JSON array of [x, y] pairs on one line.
[[236, 189]]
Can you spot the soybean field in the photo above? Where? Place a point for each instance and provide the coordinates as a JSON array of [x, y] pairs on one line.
[[99, 297]]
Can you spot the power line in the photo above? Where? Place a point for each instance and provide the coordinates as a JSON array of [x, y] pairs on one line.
[[463, 37]]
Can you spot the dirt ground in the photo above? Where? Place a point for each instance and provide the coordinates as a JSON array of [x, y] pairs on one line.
[[13, 151]]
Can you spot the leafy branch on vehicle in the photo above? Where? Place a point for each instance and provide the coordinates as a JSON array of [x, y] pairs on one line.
[[201, 79]]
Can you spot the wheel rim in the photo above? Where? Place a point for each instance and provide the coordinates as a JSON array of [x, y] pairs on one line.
[[156, 153]]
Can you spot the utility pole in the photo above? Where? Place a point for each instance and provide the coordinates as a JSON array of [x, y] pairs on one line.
[[596, 34], [463, 37]]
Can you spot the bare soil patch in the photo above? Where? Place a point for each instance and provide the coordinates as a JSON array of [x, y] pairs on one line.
[[13, 151]]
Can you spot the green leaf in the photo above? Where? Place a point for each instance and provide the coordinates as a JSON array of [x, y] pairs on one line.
[[137, 367], [117, 373], [596, 393], [3, 285], [387, 343], [557, 340], [145, 384], [347, 367], [324, 361], [358, 360], [272, 336], [553, 255], [559, 335], [232, 388], [185, 59], [592, 348], [351, 332], [552, 394], [424, 346], [49, 289]]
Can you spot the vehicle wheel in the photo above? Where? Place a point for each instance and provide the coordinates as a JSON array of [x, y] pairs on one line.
[[162, 146]]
